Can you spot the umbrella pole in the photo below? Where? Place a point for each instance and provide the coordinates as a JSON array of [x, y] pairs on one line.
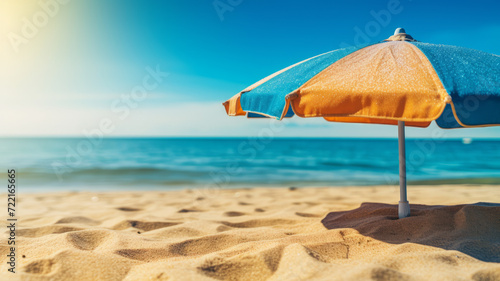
[[404, 206]]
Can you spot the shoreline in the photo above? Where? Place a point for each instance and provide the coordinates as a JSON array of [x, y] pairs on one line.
[[162, 188]]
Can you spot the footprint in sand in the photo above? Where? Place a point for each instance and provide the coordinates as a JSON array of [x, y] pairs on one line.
[[233, 214], [188, 211], [88, 240], [78, 220], [129, 209], [143, 225], [45, 230], [306, 215], [40, 267]]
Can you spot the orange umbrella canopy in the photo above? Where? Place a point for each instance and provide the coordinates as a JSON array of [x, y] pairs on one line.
[[398, 79]]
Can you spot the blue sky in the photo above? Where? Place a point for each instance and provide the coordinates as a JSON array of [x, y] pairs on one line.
[[64, 80]]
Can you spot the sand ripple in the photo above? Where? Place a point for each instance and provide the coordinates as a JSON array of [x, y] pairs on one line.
[[261, 234]]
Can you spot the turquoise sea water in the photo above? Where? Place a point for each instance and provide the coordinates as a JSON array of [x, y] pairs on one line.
[[170, 163]]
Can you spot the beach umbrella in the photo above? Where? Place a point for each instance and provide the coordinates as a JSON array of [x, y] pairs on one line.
[[398, 81]]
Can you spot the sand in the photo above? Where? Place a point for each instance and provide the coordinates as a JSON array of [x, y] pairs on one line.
[[258, 234]]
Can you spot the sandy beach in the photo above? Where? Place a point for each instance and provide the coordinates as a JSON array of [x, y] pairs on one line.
[[258, 234]]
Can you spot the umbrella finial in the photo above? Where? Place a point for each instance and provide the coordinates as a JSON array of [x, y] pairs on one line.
[[400, 35], [399, 30]]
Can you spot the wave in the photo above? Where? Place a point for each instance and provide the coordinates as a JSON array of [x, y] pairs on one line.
[[372, 165], [486, 180]]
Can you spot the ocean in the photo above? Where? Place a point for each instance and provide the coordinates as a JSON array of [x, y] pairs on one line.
[[51, 164]]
